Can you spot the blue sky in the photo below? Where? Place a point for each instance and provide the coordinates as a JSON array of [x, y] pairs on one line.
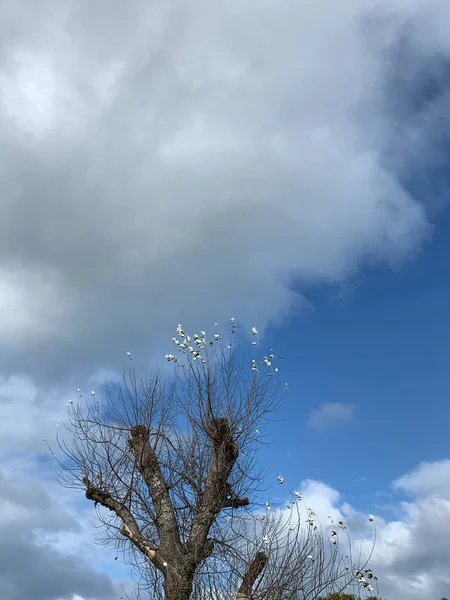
[[188, 162], [382, 348]]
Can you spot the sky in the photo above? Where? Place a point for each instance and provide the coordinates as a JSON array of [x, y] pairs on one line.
[[282, 162]]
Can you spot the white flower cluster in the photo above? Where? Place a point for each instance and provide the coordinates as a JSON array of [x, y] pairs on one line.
[[310, 520], [362, 578], [183, 341], [194, 346], [267, 361]]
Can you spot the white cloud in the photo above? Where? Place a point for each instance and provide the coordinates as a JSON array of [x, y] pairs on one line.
[[427, 479], [412, 553], [330, 414]]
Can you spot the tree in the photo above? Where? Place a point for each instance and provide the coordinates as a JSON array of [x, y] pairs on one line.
[[170, 464]]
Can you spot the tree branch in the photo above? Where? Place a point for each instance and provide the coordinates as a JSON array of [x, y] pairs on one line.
[[236, 502], [130, 528], [149, 467], [253, 572], [215, 494]]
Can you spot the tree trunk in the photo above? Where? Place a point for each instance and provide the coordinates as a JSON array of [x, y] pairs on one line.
[[177, 587]]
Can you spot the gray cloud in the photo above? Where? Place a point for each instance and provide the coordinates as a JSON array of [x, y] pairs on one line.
[[184, 162], [29, 566]]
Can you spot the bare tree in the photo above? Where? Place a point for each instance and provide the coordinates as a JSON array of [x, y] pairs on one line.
[[170, 464]]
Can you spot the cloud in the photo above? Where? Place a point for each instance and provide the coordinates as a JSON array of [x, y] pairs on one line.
[[427, 479], [412, 553], [29, 566], [29, 414], [187, 162], [329, 414]]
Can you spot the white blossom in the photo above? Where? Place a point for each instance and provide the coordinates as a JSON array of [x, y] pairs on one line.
[[371, 518], [298, 496], [280, 478], [254, 331]]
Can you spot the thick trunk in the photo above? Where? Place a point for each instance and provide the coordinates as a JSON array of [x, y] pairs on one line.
[[177, 587]]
